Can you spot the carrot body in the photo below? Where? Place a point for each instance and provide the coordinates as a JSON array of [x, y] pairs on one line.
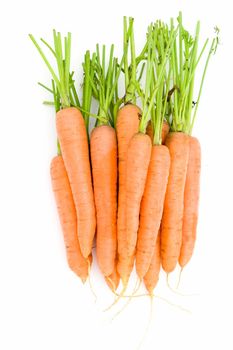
[[152, 207], [165, 131], [138, 159], [74, 146], [152, 276], [113, 280], [191, 199], [104, 168], [171, 232], [68, 217], [128, 119]]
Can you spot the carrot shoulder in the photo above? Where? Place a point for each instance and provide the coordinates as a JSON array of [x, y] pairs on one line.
[[165, 131], [74, 146], [152, 207], [68, 218], [171, 232], [104, 169], [191, 200]]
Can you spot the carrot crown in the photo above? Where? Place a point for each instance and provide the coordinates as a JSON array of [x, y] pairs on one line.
[[184, 61]]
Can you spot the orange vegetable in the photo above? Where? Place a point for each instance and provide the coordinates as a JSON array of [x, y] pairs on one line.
[[138, 159], [74, 146], [152, 207], [152, 276], [113, 280], [171, 231], [68, 218], [103, 145], [191, 199], [128, 118]]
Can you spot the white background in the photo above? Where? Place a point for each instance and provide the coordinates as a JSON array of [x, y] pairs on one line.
[[42, 304]]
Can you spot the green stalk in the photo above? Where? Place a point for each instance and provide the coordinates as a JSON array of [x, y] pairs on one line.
[[105, 84], [151, 62], [180, 49], [211, 51], [62, 79], [125, 50]]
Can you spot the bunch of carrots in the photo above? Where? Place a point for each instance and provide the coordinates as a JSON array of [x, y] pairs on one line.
[[132, 182]]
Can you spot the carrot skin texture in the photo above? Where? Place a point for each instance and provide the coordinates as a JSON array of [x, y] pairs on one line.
[[152, 207], [127, 125], [165, 131], [75, 152], [191, 201], [138, 159], [68, 218], [104, 169], [152, 276], [171, 232]]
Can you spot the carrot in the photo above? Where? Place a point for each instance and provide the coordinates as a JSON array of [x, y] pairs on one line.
[[73, 141], [152, 276], [113, 280], [155, 188], [178, 143], [103, 144], [104, 168], [191, 199], [127, 124], [171, 233], [67, 215], [165, 131], [152, 207], [74, 146], [138, 159]]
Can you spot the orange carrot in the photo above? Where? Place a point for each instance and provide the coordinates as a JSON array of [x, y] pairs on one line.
[[113, 280], [68, 218], [191, 199], [138, 159], [165, 131], [152, 207], [171, 233], [152, 276], [74, 146], [128, 118], [104, 168]]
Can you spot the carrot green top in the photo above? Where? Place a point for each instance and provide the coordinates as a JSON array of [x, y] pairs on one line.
[[158, 51], [160, 109], [63, 83], [62, 79], [104, 83], [184, 61], [129, 71]]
